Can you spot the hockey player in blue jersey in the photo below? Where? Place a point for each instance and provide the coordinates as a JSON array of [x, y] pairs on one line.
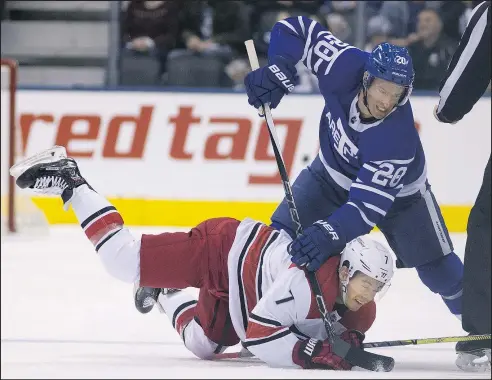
[[371, 169]]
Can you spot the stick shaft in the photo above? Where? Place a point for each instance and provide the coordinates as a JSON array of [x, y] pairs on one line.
[[253, 59], [408, 342], [267, 113]]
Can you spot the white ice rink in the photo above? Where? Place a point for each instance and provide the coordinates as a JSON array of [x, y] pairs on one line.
[[63, 316]]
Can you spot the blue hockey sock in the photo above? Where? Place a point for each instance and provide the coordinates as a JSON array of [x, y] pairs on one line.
[[445, 277]]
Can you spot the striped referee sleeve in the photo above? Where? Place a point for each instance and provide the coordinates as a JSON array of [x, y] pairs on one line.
[[468, 73]]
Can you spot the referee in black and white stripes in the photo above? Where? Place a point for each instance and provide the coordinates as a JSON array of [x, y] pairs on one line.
[[466, 80]]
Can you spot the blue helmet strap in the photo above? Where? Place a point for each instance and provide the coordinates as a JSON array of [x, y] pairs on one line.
[[404, 97], [366, 82], [364, 98]]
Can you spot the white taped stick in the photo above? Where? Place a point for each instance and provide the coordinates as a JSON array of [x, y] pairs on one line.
[[253, 57], [254, 63]]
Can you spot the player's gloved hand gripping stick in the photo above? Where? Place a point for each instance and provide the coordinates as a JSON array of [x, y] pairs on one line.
[[353, 355]]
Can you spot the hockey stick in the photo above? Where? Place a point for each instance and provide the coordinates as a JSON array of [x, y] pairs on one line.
[[408, 342], [341, 348], [388, 343], [267, 114]]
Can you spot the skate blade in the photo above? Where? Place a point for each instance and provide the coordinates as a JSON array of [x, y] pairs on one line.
[[472, 363], [49, 155]]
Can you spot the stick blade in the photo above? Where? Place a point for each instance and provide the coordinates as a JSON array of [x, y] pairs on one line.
[[363, 359], [370, 361]]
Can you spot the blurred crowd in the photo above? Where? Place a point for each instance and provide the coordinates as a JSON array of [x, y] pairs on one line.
[[201, 43]]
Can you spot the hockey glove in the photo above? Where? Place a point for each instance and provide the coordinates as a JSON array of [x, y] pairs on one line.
[[317, 244], [317, 354], [270, 83]]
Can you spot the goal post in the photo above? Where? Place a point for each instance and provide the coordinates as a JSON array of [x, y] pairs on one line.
[[8, 112], [18, 212]]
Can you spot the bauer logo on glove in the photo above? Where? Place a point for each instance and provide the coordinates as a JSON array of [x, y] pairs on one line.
[[281, 77]]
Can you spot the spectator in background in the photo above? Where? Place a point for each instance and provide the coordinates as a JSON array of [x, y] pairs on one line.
[[402, 16], [2, 8], [211, 33], [373, 7], [431, 52], [212, 26], [265, 14], [455, 16], [340, 18], [378, 31], [149, 28]]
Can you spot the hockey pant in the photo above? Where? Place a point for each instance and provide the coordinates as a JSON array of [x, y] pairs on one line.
[[197, 258]]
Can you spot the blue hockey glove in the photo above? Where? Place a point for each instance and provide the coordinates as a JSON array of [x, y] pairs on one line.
[[270, 83], [317, 244]]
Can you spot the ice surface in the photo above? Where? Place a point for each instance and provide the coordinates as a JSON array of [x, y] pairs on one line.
[[63, 316]]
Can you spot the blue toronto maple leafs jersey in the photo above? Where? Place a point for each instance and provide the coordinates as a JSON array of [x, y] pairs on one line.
[[376, 160]]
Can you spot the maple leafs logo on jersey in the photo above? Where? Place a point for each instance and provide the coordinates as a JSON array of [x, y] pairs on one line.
[[343, 145]]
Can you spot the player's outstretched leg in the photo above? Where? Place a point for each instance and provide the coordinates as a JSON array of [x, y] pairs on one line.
[[163, 261], [51, 172], [428, 248]]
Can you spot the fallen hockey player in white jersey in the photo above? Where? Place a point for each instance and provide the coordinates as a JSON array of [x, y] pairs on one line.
[[250, 292]]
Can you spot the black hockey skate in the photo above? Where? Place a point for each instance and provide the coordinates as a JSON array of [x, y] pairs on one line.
[[473, 355], [146, 297], [49, 172]]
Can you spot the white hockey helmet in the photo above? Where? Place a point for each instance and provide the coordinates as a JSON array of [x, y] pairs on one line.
[[366, 255]]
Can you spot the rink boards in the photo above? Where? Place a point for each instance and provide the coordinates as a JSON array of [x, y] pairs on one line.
[[177, 158]]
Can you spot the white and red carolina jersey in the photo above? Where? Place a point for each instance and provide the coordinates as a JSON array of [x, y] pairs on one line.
[[270, 300]]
